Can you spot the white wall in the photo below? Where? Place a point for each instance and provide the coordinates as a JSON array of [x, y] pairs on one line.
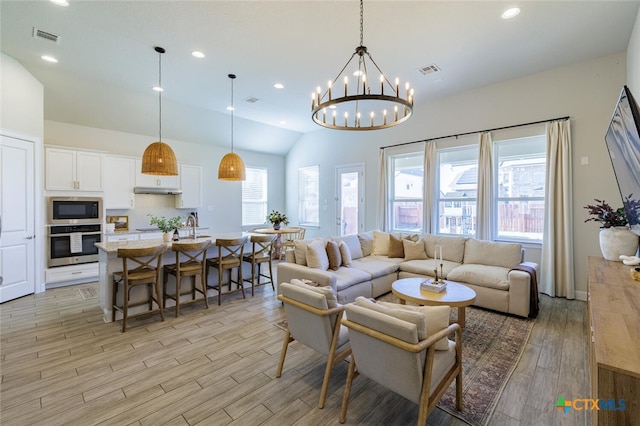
[[222, 200], [587, 92], [633, 60], [22, 116]]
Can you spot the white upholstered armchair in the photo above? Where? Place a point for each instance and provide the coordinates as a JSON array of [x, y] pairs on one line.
[[396, 347], [314, 319]]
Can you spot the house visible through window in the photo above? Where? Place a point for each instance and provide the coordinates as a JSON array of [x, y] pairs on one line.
[[406, 192], [309, 195], [520, 168], [254, 197], [457, 177]]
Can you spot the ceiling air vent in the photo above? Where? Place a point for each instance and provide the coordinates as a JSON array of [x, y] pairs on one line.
[[251, 100], [429, 69], [43, 35]]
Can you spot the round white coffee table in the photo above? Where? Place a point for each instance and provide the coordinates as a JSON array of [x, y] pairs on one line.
[[455, 295]]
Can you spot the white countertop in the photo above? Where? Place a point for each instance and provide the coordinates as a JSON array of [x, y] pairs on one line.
[[112, 247]]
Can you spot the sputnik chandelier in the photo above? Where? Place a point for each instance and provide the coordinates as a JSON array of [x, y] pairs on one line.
[[365, 109]]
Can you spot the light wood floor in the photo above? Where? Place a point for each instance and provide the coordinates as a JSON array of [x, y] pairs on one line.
[[61, 364]]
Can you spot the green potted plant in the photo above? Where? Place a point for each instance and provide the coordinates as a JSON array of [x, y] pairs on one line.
[[615, 237], [276, 218], [166, 225]]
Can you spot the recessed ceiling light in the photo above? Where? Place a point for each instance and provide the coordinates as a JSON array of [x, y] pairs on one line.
[[230, 108], [158, 89], [283, 123], [60, 2], [197, 54], [49, 59], [512, 12], [279, 86]]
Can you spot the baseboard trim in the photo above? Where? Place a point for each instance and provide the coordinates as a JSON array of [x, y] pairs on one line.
[[581, 295]]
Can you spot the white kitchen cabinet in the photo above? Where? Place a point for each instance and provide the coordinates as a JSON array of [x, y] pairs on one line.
[[191, 186], [73, 170], [73, 274], [120, 179], [155, 181], [110, 238]]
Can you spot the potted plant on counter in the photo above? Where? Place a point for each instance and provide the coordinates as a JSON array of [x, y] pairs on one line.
[[166, 225], [276, 218], [615, 237]]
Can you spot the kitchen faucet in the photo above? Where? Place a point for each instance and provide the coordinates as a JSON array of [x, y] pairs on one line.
[[191, 221]]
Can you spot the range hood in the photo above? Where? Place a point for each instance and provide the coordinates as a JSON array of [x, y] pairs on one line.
[[156, 190]]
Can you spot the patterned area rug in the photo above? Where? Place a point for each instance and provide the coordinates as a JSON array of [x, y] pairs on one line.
[[89, 292], [492, 344]]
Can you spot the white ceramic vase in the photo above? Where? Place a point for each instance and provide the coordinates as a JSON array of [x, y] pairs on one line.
[[618, 241], [166, 237]]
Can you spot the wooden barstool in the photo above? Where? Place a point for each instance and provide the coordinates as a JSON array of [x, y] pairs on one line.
[[147, 272], [230, 252], [195, 255], [262, 251]]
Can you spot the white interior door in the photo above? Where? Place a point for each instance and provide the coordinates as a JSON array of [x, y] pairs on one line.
[[17, 222], [349, 199]]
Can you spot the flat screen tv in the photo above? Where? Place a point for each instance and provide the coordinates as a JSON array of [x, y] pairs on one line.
[[623, 143]]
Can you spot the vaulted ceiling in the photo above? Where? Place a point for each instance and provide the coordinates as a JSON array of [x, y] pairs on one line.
[[107, 64]]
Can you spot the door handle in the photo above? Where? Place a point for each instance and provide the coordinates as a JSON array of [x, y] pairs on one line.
[[31, 237]]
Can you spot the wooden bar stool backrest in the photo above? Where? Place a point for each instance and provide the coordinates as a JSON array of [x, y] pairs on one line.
[[262, 247], [230, 251], [193, 255]]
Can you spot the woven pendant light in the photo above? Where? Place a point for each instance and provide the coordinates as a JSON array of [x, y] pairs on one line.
[[231, 166], [158, 158]]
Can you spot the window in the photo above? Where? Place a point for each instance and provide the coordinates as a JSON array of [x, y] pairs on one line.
[[309, 195], [457, 177], [254, 197], [520, 169], [406, 191]]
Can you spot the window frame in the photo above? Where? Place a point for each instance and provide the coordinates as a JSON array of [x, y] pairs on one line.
[[264, 199], [304, 216]]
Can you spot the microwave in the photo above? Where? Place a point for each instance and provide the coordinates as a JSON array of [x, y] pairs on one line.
[[74, 210]]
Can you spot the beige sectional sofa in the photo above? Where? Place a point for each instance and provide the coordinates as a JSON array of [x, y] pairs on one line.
[[367, 264]]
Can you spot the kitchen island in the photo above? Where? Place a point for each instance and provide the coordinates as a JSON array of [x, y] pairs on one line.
[[108, 263]]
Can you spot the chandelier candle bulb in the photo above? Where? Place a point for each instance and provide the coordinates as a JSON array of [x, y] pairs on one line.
[[364, 84], [334, 118], [384, 117], [346, 81], [324, 115], [329, 84], [397, 87], [346, 117], [381, 84], [371, 118], [395, 109]]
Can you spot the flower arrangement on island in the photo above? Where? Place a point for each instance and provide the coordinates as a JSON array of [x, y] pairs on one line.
[[164, 224]]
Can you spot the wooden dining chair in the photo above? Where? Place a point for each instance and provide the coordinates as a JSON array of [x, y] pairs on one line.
[[288, 239], [190, 262], [140, 267], [261, 252], [230, 253]]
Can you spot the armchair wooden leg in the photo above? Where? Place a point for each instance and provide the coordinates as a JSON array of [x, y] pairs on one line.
[[347, 390], [283, 353]]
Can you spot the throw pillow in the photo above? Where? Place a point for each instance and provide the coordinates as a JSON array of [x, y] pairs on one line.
[[437, 318], [333, 253], [300, 251], [353, 243], [366, 244], [414, 250], [317, 255], [327, 292], [396, 248], [380, 243], [407, 315], [346, 254]]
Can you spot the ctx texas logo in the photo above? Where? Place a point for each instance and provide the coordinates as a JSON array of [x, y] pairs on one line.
[[587, 404]]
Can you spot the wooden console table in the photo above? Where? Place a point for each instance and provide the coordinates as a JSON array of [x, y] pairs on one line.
[[613, 315]]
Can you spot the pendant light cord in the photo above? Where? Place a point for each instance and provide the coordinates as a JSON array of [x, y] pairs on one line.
[[232, 77], [160, 94]]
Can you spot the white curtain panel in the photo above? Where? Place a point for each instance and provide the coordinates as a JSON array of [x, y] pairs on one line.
[[485, 188], [429, 209], [382, 191], [557, 277]]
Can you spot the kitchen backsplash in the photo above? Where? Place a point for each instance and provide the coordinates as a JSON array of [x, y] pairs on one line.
[[145, 204]]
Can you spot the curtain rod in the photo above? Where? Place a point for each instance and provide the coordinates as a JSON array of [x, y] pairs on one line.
[[479, 131]]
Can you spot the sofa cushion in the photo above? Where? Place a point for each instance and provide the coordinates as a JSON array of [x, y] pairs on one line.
[[346, 277], [453, 248], [377, 266], [327, 292], [437, 318], [345, 253], [333, 254], [366, 243], [396, 248], [317, 255], [380, 243], [426, 267], [353, 242], [492, 253], [483, 275], [414, 250]]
